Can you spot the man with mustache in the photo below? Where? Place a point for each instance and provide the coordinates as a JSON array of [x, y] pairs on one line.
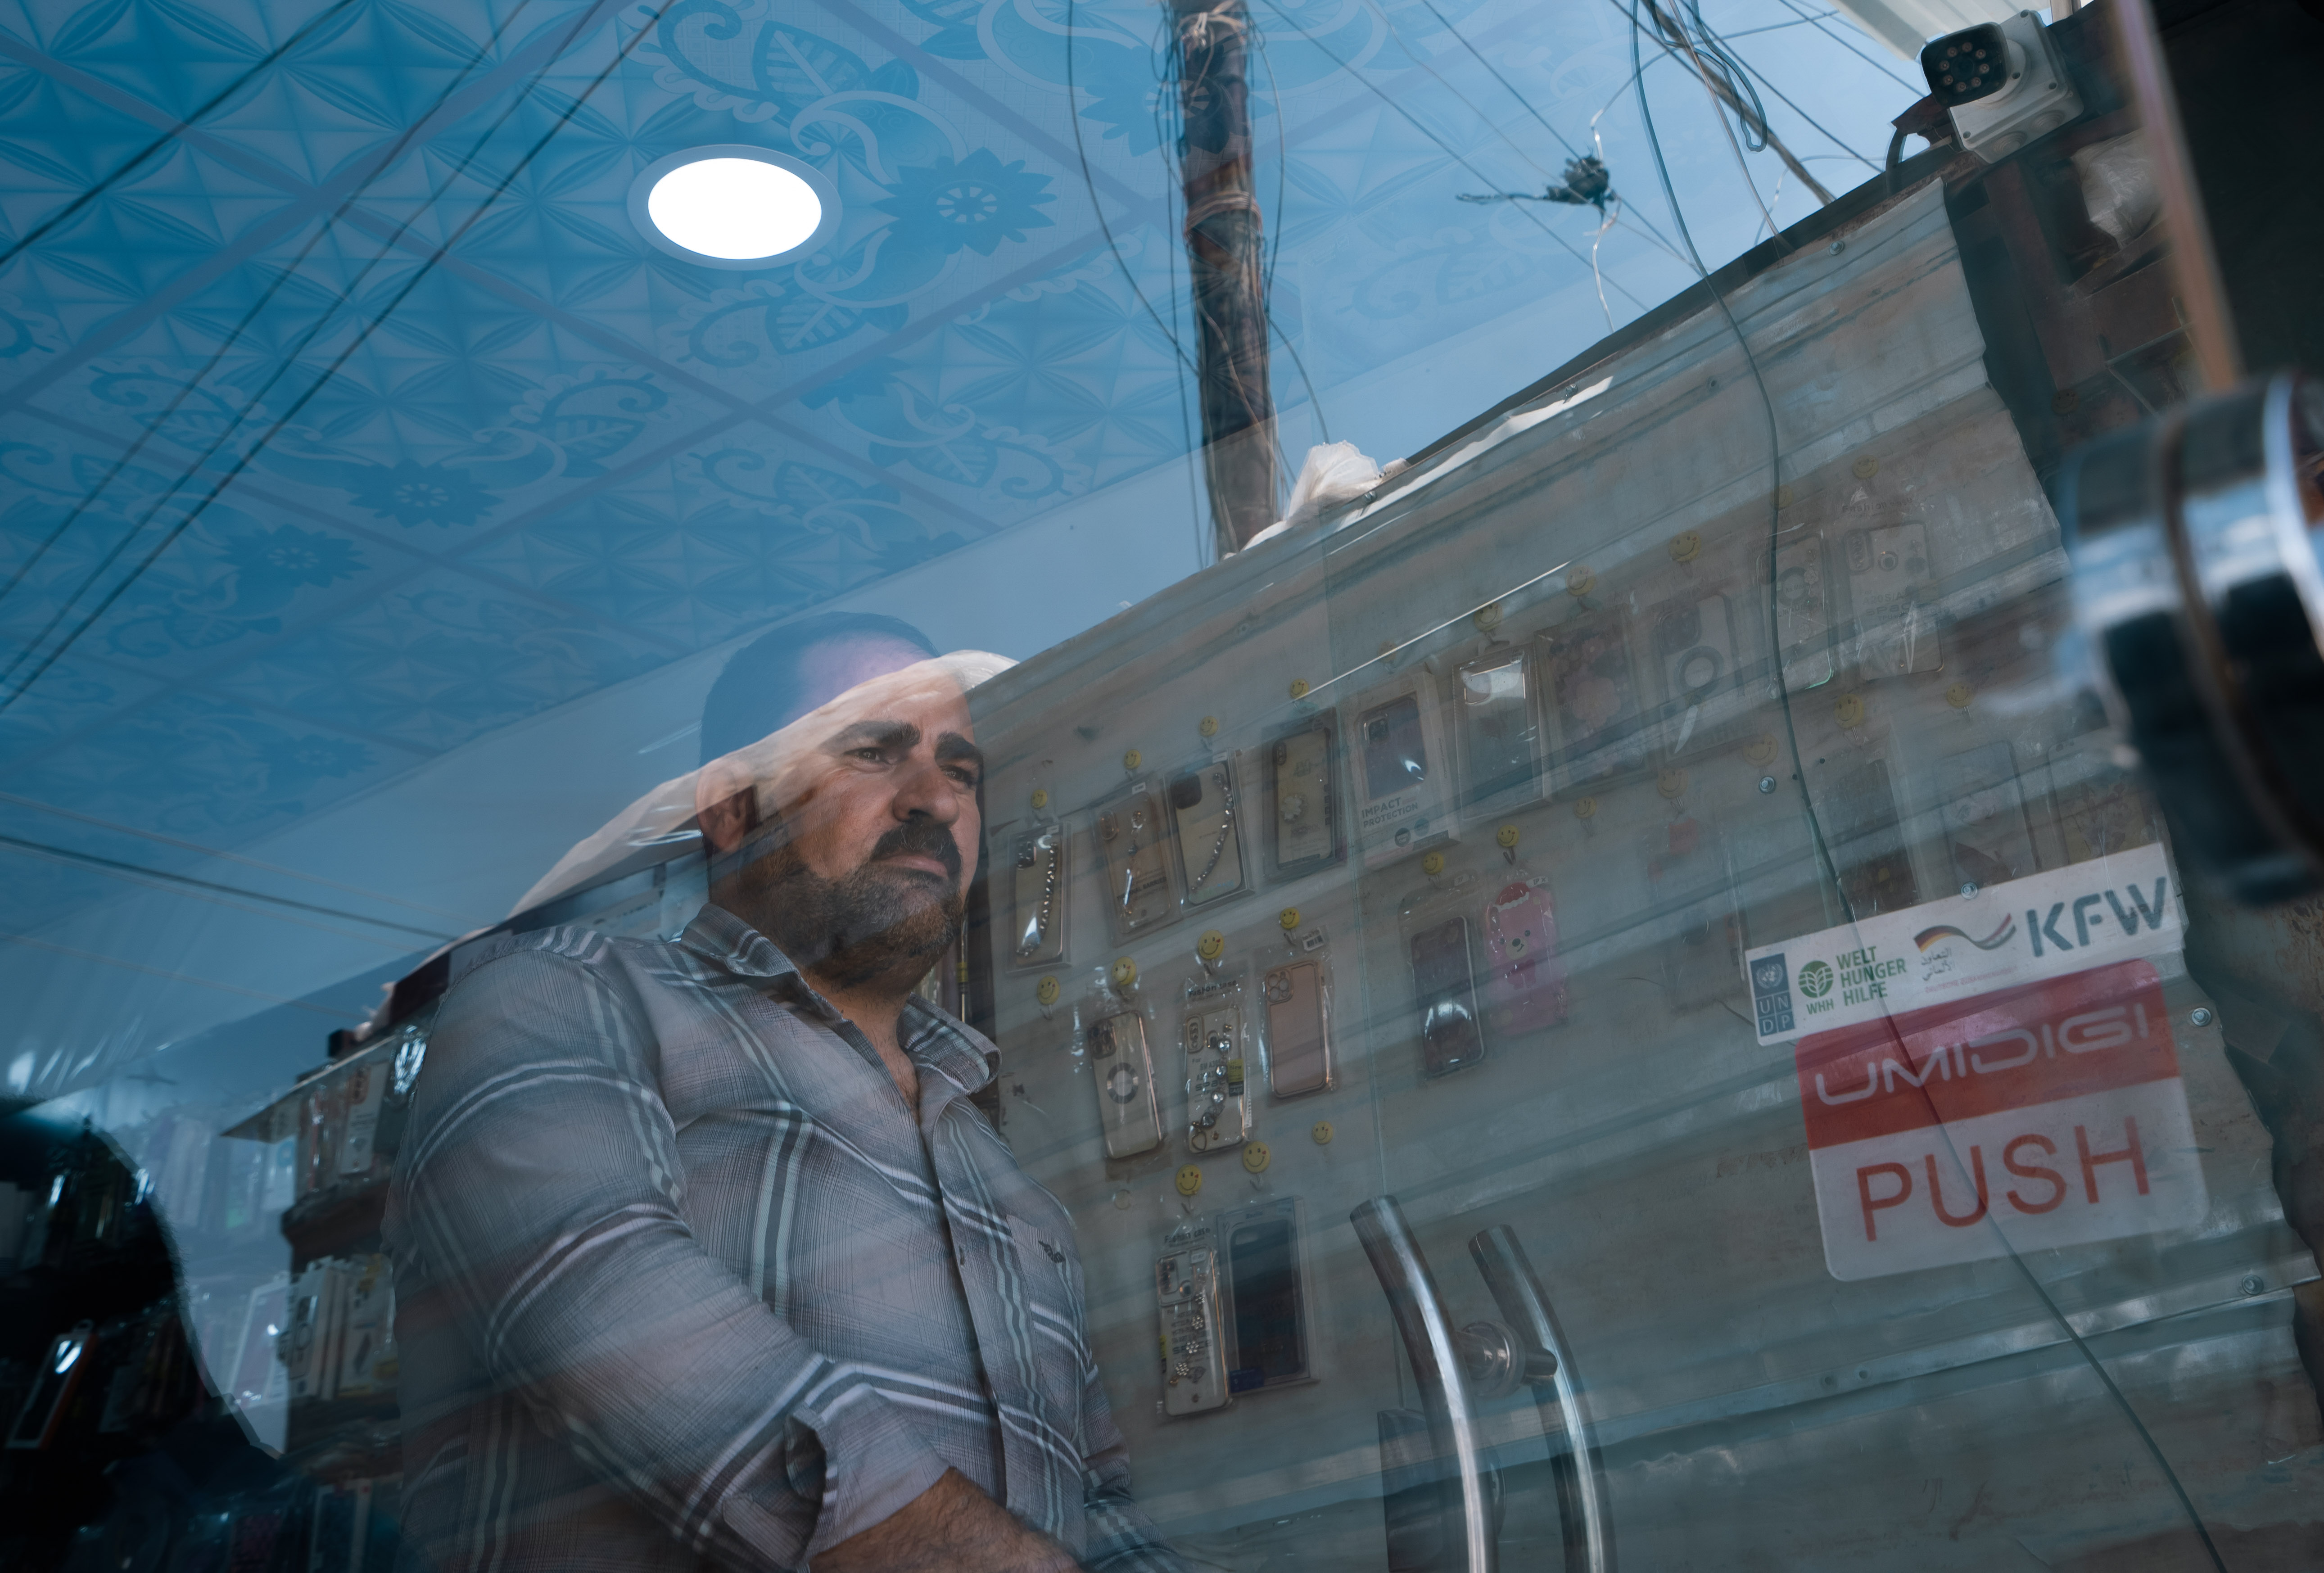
[[703, 1256]]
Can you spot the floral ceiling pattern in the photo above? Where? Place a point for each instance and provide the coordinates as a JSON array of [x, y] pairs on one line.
[[344, 418]]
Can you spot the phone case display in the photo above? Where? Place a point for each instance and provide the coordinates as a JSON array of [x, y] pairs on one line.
[[1982, 814], [1141, 895], [1262, 1250], [1500, 738], [1207, 809], [1524, 980], [1402, 774], [1695, 645], [1439, 931], [1215, 1033], [1687, 884], [1888, 589], [1591, 696], [1041, 880], [1121, 1069], [1303, 786], [1298, 996], [1803, 613], [1857, 809], [366, 1337], [1193, 1332]]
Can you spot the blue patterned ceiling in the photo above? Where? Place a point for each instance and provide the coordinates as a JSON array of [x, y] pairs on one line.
[[347, 419]]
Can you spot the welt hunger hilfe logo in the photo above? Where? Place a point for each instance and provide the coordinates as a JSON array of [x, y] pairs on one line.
[[2062, 921]]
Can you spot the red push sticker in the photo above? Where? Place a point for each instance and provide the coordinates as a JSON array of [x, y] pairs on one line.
[[2047, 1115]]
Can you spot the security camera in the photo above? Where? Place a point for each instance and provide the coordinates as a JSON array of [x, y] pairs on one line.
[[2002, 83]]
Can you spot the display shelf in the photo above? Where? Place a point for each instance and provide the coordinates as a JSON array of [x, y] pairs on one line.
[[336, 1223], [337, 1440]]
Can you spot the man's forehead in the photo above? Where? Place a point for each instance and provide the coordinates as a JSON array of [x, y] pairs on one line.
[[924, 714]]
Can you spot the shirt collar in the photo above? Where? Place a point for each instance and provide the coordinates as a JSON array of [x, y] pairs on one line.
[[930, 1037]]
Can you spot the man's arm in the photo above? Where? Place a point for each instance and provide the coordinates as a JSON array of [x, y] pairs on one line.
[[538, 1191], [950, 1528]]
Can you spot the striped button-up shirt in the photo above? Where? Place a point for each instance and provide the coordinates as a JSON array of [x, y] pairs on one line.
[[683, 1282]]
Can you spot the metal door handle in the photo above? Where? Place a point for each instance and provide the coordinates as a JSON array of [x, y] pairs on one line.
[[1433, 1347], [1580, 1469]]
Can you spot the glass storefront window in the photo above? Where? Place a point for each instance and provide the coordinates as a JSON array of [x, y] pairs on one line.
[[1713, 967]]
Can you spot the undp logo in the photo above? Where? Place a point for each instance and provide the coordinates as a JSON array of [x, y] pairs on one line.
[[1767, 975], [1815, 980]]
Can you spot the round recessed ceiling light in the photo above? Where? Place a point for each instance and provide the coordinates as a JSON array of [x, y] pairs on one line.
[[732, 205]]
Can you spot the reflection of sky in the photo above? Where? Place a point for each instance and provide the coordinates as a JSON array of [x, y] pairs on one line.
[[438, 697]]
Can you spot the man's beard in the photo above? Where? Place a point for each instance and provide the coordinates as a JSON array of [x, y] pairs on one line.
[[875, 921]]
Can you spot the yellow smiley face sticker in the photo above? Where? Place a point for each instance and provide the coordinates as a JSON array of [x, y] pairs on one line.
[[1670, 783], [1040, 798], [1322, 1132], [1584, 807], [1433, 864], [1849, 710], [1046, 990], [1132, 759], [1959, 696], [1288, 917], [1506, 837], [1212, 946], [1686, 546], [1190, 1180], [1254, 1157], [1760, 750], [1125, 972], [1298, 687], [1208, 726]]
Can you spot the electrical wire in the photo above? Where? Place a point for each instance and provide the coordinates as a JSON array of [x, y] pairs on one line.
[[149, 430], [1446, 147], [156, 837], [1719, 113], [80, 955], [1685, 25], [1916, 89], [371, 325], [1776, 27], [1822, 848], [282, 275], [1081, 152], [211, 891], [137, 159], [1685, 31], [1417, 59], [1493, 71], [1527, 105], [1803, 114], [1282, 161]]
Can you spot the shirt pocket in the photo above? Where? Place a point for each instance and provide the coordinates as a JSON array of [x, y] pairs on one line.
[[1060, 1345]]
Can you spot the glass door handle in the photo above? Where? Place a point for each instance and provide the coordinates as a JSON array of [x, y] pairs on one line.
[[1434, 1348], [1577, 1468]]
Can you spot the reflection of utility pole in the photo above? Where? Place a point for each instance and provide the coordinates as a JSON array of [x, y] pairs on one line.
[[1224, 257]]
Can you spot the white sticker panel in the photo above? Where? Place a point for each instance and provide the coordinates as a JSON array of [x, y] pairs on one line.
[[2041, 926]]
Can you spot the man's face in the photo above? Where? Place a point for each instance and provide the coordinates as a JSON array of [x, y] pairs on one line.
[[874, 833]]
